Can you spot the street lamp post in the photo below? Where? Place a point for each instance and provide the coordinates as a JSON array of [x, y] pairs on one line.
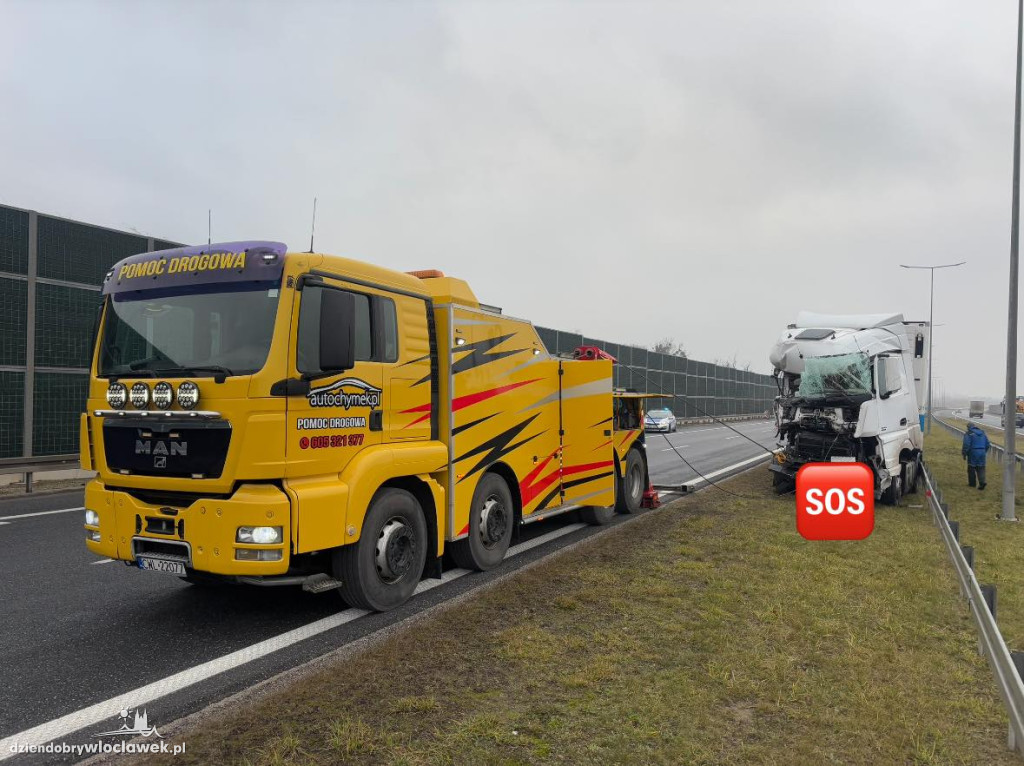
[[1010, 437], [931, 328]]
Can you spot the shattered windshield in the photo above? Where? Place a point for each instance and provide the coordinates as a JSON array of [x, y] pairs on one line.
[[845, 374]]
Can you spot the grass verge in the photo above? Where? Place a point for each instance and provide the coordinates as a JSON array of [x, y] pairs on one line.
[[707, 632], [997, 544]]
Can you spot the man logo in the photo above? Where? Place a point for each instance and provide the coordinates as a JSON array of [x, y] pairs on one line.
[[161, 448], [160, 462]]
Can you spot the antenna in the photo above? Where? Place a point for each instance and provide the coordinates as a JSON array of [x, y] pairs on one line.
[[209, 227], [312, 232]]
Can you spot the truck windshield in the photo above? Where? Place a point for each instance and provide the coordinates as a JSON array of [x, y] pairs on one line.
[[217, 332], [843, 375]]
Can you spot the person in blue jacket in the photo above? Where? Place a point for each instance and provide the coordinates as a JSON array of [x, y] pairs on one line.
[[975, 449]]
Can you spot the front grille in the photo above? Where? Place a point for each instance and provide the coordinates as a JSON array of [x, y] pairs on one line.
[[195, 450], [821, 447]]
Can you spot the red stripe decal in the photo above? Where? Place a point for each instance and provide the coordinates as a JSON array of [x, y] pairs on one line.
[[470, 399], [421, 408], [465, 531], [586, 467], [417, 420], [599, 446]]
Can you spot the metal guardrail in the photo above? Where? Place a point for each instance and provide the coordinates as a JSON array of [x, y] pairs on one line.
[[990, 640], [33, 465]]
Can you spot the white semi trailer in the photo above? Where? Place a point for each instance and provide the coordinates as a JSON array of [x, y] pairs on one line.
[[851, 389]]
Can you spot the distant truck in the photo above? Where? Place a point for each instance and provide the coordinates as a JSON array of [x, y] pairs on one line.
[[1018, 415], [977, 409], [849, 388]]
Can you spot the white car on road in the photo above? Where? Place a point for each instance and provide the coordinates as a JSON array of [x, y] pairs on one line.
[[660, 420]]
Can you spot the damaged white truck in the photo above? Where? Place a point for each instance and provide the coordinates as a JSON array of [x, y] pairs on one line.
[[849, 391]]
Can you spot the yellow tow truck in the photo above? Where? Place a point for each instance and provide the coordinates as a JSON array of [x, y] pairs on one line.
[[281, 418]]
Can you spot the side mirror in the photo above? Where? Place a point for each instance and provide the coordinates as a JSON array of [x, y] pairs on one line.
[[337, 331]]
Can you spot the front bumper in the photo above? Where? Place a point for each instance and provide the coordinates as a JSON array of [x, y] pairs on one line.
[[207, 526], [658, 428]]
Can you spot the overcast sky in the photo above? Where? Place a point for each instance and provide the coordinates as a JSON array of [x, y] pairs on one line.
[[630, 170]]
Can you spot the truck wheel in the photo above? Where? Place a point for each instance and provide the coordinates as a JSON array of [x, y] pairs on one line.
[[912, 475], [597, 515], [629, 490], [782, 484], [381, 571], [491, 518], [894, 492]]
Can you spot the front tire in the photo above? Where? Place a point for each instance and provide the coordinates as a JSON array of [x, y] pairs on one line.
[[382, 569], [491, 518], [893, 493], [629, 490]]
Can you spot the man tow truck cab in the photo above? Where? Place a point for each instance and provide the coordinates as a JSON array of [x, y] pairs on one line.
[[286, 418]]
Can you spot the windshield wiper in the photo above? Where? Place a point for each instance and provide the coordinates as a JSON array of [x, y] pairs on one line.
[[220, 372]]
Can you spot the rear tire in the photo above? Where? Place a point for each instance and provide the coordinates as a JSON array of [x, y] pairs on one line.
[[491, 518], [629, 490], [912, 475], [382, 569], [597, 515]]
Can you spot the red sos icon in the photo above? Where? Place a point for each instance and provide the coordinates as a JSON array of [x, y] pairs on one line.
[[835, 501]]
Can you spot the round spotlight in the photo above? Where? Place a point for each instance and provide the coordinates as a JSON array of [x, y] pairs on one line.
[[117, 395], [163, 395], [188, 395], [139, 395]]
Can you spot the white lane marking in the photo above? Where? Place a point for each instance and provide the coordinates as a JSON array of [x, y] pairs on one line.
[[733, 467], [675, 447], [554, 534], [101, 561], [40, 513], [101, 711], [2, 523], [727, 438]]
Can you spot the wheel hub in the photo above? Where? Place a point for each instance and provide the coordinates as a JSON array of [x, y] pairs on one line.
[[493, 522], [395, 551]]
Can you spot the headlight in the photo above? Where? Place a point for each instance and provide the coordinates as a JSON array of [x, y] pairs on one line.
[[93, 536], [259, 535], [188, 395], [163, 395], [92, 519], [117, 395], [139, 395]]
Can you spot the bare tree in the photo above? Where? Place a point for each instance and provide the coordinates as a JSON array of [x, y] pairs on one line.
[[668, 345]]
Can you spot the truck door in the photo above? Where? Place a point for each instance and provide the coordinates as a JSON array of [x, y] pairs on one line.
[[588, 467], [896, 411], [340, 415]]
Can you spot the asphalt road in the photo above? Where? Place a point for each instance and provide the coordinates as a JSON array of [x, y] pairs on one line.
[[82, 638], [988, 419]]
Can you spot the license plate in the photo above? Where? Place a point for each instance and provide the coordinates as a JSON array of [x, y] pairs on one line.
[[843, 459], [161, 565]]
